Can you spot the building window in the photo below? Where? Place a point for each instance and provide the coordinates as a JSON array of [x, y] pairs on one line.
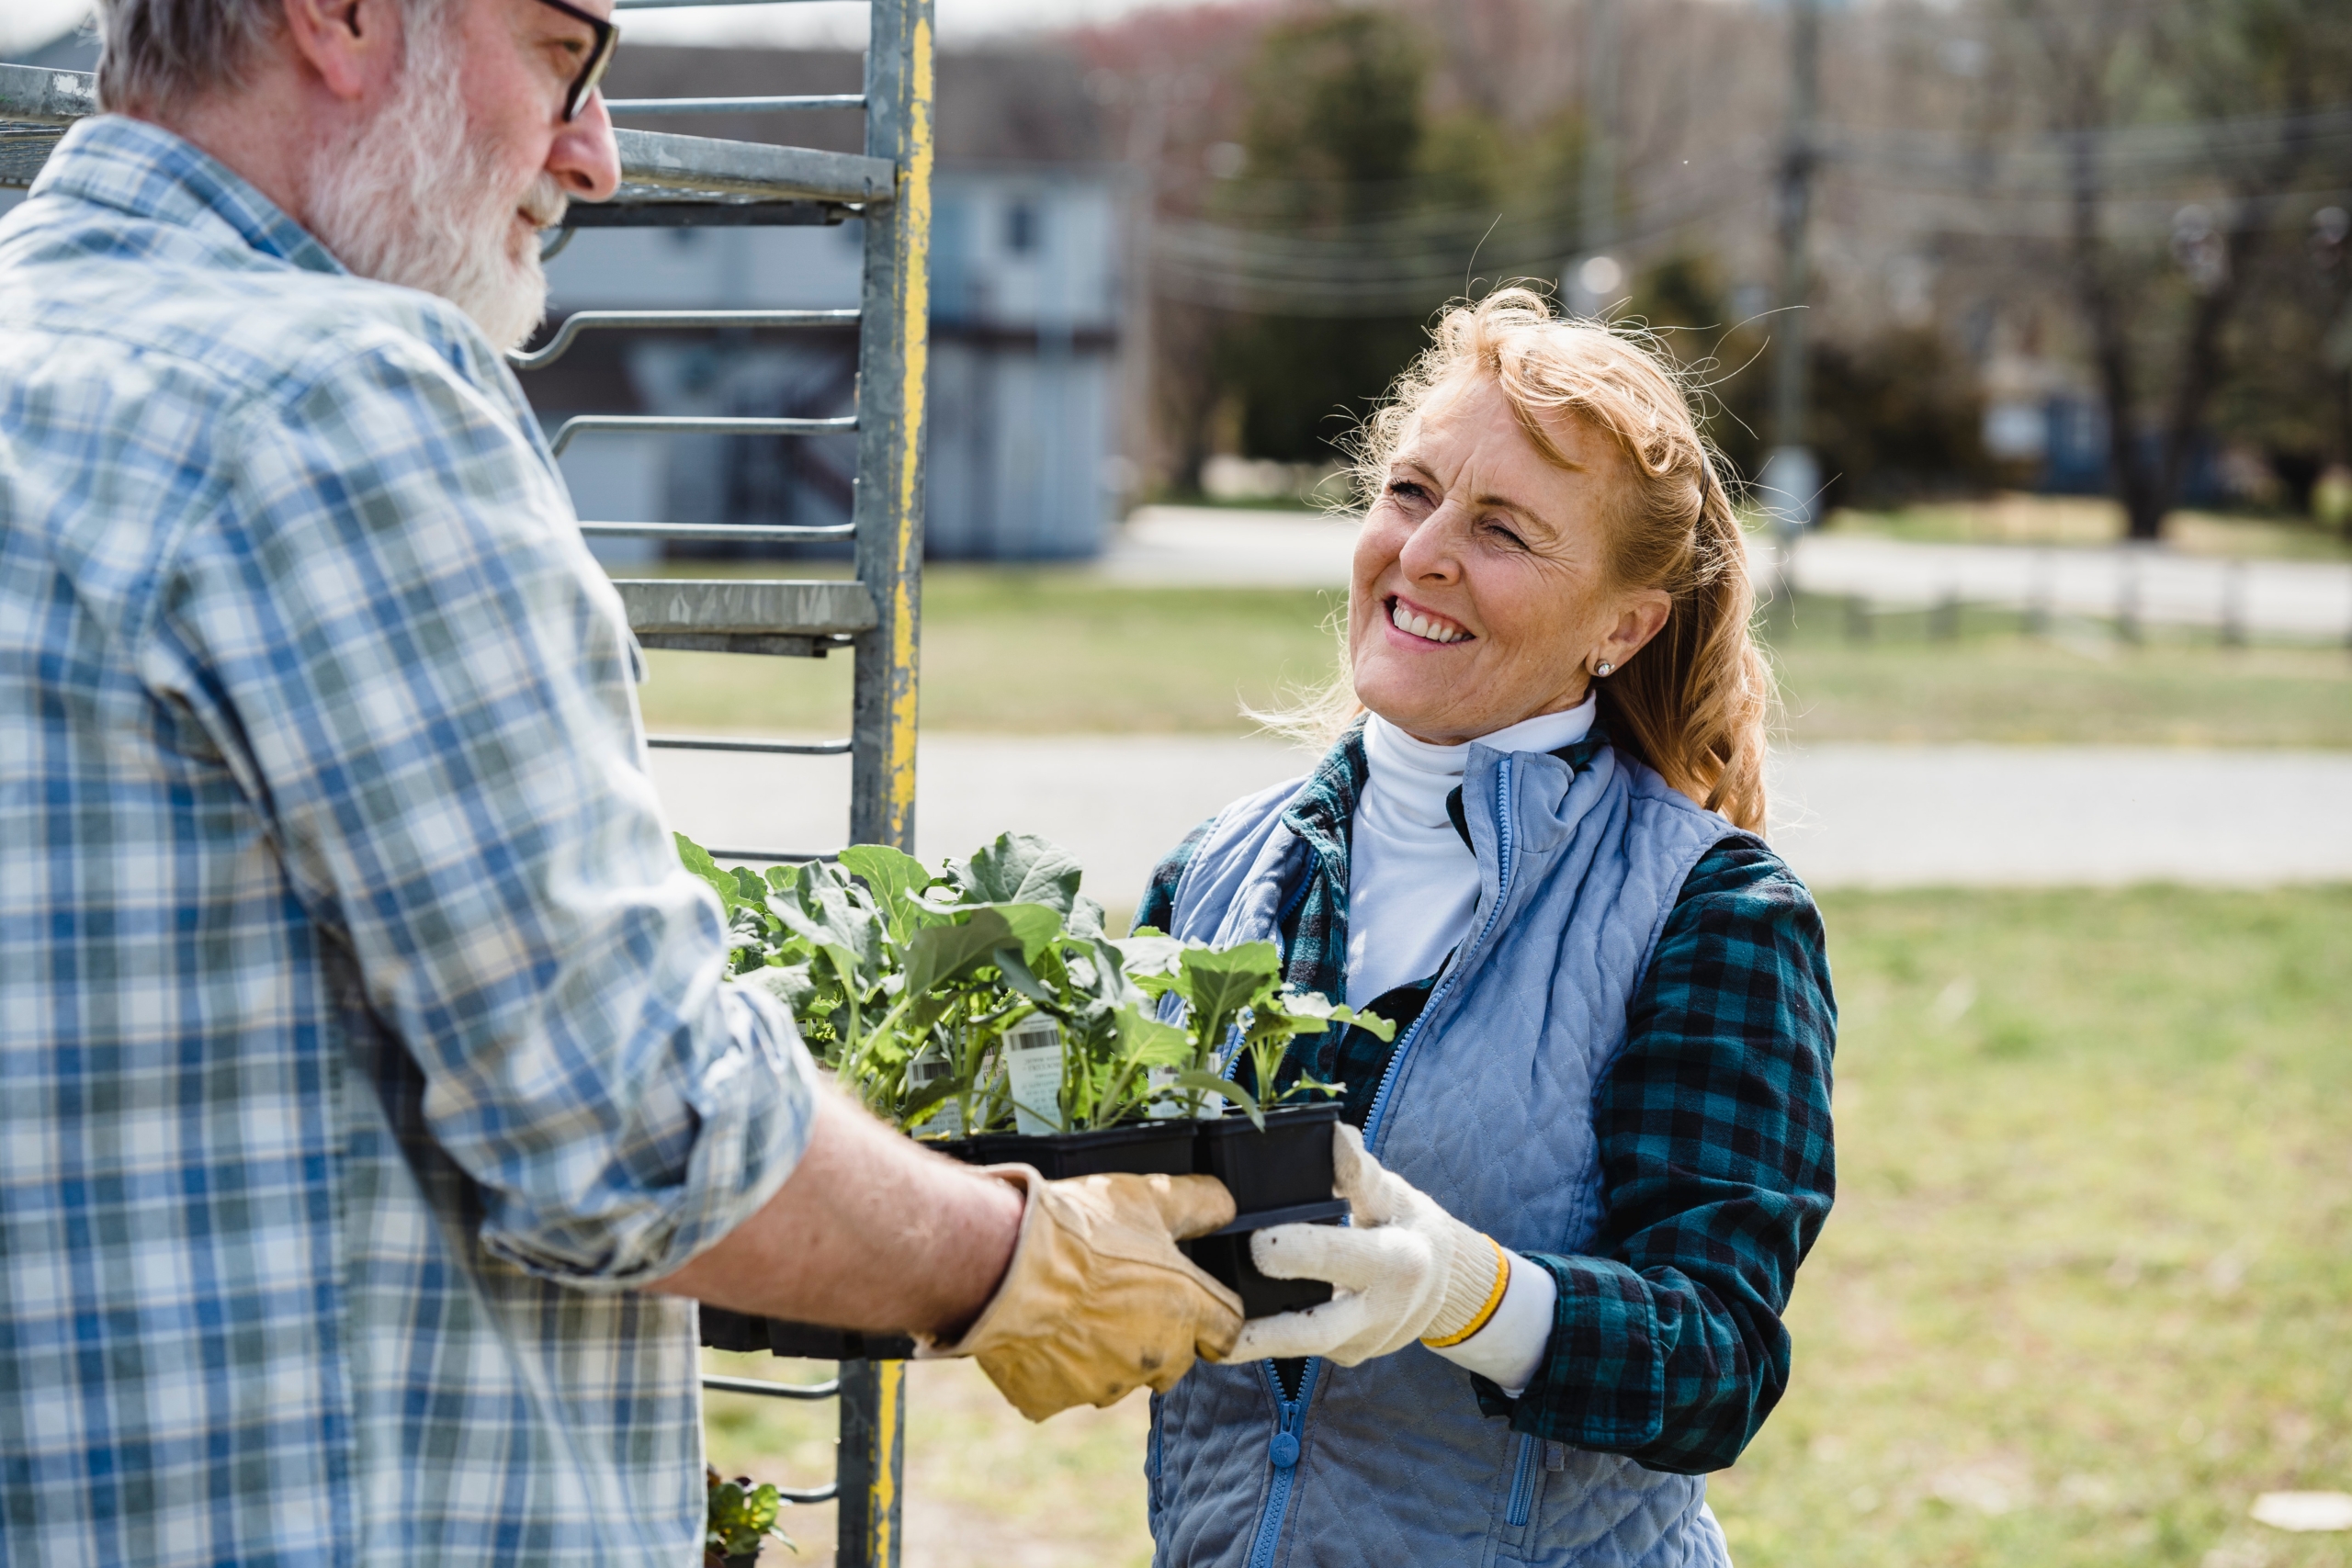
[[1021, 227]]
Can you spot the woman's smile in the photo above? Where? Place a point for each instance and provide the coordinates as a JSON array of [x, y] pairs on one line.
[[1421, 625]]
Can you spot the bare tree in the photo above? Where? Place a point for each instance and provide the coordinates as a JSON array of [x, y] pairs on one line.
[[2238, 79]]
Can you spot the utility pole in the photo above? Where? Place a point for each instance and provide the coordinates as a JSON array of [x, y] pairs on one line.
[[1791, 478], [1593, 277]]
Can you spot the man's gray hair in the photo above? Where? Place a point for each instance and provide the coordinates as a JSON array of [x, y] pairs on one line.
[[158, 55]]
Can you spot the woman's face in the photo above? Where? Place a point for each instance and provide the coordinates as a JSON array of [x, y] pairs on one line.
[[1491, 557]]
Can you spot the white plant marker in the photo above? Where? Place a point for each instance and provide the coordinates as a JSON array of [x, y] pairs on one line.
[[928, 1066], [2304, 1510], [1032, 1067]]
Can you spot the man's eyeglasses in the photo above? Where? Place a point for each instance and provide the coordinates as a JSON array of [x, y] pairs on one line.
[[600, 55]]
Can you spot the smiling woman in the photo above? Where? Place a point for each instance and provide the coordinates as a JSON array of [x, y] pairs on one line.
[[1540, 502], [1586, 1169]]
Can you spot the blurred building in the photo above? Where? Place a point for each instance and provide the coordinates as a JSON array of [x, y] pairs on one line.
[[1026, 307]]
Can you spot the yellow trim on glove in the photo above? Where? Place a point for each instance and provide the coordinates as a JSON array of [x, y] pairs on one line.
[[1494, 1299]]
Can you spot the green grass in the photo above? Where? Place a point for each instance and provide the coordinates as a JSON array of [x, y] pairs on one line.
[[1044, 652], [2086, 1291], [2081, 684]]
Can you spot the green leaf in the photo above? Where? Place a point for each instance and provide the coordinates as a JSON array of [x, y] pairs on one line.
[[894, 877], [823, 910], [1038, 925], [940, 953], [791, 983], [1143, 1039], [1085, 919], [1022, 868], [1220, 983], [1011, 963], [695, 858], [1148, 956]]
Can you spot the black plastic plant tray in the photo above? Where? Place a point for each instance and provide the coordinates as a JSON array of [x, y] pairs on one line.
[[1142, 1149], [1288, 1163], [1280, 1176], [724, 1330]]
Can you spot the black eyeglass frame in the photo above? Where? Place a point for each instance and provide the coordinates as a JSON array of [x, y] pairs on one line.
[[600, 57]]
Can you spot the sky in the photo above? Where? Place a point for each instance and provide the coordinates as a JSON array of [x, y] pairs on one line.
[[837, 23]]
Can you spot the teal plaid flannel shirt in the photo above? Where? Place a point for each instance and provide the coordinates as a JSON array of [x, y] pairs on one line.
[[1717, 1168], [364, 1045]]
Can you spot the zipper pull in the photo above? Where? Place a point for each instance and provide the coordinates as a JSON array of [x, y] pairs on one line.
[[1282, 1452]]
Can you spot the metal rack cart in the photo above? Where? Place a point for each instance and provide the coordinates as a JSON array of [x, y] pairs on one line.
[[670, 181]]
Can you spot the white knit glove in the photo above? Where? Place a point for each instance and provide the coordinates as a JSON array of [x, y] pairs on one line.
[[1405, 1270]]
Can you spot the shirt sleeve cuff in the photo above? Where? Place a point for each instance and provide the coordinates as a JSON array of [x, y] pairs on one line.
[[1508, 1351]]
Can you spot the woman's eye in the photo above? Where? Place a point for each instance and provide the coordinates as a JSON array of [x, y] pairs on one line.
[[1503, 536], [1406, 489]]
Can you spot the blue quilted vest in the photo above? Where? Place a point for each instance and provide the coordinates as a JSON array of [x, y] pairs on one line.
[[1488, 1107]]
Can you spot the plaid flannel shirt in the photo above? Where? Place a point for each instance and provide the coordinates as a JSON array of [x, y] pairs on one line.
[[365, 1045], [1717, 1168]]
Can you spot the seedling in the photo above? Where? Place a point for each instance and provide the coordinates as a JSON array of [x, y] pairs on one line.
[[739, 1519], [1231, 1003], [906, 981]]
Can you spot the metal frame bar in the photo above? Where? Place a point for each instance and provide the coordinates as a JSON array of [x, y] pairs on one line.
[[664, 160], [725, 743], [724, 532], [597, 424], [677, 321], [736, 106]]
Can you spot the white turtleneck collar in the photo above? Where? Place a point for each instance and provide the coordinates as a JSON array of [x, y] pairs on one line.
[[1412, 882]]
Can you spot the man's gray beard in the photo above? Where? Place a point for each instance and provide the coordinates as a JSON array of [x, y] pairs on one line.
[[409, 199]]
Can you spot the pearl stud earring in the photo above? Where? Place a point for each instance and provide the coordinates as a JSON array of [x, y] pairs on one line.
[[1603, 667]]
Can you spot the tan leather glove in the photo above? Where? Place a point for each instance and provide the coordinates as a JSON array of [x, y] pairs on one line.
[[1097, 1299], [1402, 1269]]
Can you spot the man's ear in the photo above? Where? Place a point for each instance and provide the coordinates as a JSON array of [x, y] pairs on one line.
[[352, 46]]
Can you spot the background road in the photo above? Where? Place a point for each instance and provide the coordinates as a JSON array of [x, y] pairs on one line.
[[1871, 815]]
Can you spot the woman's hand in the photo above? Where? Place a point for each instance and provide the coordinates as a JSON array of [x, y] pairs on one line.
[[1404, 1270]]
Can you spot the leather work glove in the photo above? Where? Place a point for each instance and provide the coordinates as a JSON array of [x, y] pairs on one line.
[[1405, 1270], [1097, 1299]]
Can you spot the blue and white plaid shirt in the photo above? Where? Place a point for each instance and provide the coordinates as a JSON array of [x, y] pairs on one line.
[[363, 1045]]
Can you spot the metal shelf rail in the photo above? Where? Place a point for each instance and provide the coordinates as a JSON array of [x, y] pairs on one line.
[[669, 181]]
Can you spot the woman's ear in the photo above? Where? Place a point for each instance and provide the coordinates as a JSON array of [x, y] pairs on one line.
[[1641, 616]]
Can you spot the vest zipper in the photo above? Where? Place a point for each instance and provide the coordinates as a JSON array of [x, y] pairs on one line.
[[1522, 1483], [1292, 1418], [1282, 1454]]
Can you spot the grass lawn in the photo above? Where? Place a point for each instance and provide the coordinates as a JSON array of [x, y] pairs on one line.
[[2078, 685], [2086, 1291], [1044, 652]]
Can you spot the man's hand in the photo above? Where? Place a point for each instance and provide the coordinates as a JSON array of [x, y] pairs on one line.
[[1098, 1300], [870, 1231]]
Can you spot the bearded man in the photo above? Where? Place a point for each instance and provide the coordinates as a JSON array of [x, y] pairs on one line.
[[373, 1104]]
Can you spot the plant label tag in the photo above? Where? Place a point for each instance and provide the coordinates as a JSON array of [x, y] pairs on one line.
[[928, 1068], [1033, 1070]]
